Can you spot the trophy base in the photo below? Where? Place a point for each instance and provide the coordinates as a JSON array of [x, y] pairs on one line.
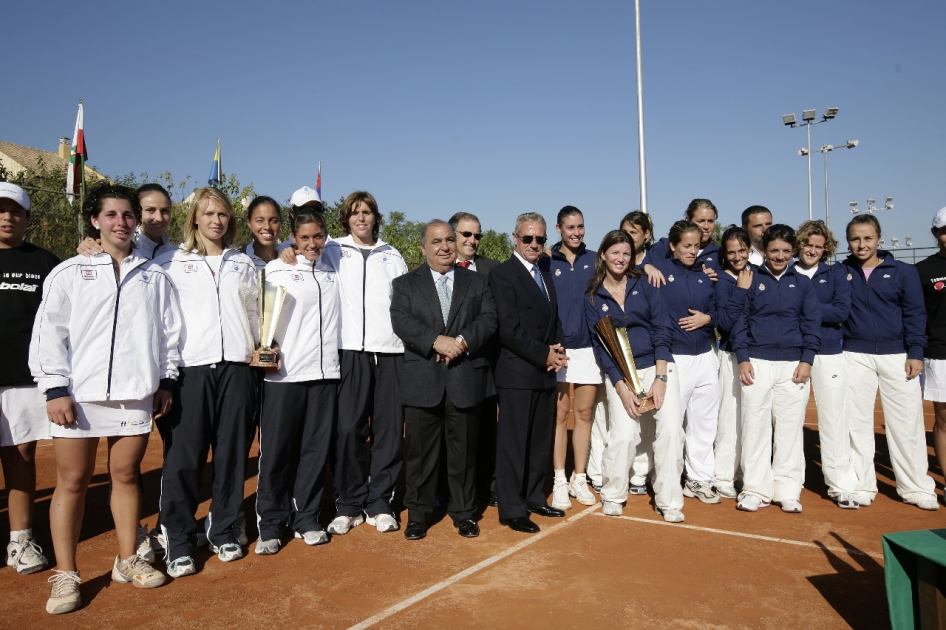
[[646, 403], [266, 359]]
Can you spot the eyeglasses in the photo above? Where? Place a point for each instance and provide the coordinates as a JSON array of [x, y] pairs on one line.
[[538, 239], [469, 234]]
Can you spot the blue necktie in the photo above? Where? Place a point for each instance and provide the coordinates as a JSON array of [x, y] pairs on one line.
[[537, 275]]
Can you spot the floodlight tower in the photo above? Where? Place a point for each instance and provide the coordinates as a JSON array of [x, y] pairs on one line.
[[825, 149], [871, 208], [808, 116]]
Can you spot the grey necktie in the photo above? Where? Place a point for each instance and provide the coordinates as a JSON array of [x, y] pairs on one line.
[[445, 295]]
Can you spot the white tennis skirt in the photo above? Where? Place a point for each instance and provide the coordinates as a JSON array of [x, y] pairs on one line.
[[22, 415], [934, 380], [582, 368], [108, 419]]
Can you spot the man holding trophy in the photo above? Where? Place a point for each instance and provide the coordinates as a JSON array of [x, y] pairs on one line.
[[632, 338]]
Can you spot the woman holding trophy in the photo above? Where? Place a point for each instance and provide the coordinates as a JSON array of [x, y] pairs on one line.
[[632, 335], [691, 304], [299, 397], [215, 396]]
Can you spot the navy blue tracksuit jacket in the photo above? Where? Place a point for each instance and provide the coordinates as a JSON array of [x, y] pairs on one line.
[[688, 289]]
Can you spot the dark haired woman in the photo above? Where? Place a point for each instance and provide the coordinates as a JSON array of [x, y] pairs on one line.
[[884, 338], [815, 246], [215, 397], [370, 357], [151, 237], [620, 290], [737, 272], [103, 377], [572, 266], [775, 341], [703, 213], [264, 218], [299, 398], [691, 305]]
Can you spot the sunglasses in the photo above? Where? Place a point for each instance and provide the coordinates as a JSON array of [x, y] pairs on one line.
[[538, 239], [469, 234]]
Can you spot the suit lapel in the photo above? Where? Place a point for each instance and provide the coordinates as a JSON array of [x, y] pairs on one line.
[[531, 288], [460, 284], [429, 289]]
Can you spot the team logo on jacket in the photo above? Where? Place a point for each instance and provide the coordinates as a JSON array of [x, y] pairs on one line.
[[822, 281], [699, 280], [886, 275], [296, 276], [346, 253], [670, 278], [558, 272], [604, 307], [384, 259], [144, 276], [633, 292], [791, 286], [849, 277], [761, 287], [236, 267], [190, 268], [89, 274], [585, 267]]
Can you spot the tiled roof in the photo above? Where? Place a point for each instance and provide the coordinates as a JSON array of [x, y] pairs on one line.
[[30, 158]]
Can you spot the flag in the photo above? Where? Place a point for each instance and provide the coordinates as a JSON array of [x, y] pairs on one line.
[[75, 177], [216, 170], [318, 182]]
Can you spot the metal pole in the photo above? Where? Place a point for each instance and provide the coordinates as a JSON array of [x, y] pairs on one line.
[[827, 205], [640, 110], [810, 215]]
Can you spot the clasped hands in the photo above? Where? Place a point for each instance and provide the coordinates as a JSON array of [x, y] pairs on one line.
[[448, 348], [556, 359]]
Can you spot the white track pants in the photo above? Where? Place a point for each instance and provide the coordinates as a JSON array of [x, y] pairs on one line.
[[599, 433], [728, 445], [773, 415], [624, 434], [699, 408], [643, 464], [903, 416], [830, 386]]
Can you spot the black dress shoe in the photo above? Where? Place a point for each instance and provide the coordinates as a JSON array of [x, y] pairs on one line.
[[548, 510], [467, 528], [415, 530], [493, 500], [521, 524]]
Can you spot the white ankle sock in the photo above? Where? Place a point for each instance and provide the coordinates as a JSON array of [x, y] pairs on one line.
[[560, 474], [580, 477], [15, 536]]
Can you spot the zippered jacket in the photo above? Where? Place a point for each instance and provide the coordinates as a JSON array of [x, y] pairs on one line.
[[708, 256], [729, 307], [888, 314], [365, 291], [649, 328], [834, 294], [307, 330], [148, 248], [782, 318], [688, 289], [570, 284], [221, 319], [104, 338]]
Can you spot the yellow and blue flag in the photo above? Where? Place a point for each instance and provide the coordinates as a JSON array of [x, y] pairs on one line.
[[216, 170]]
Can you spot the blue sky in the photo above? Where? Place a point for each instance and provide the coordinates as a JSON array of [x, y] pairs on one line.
[[498, 108]]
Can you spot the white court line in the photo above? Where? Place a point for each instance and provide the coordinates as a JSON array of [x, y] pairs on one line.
[[387, 612], [786, 541]]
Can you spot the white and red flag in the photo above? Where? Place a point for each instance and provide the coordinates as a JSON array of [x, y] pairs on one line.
[[77, 158]]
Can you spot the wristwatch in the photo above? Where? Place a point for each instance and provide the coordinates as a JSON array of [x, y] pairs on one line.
[[661, 377]]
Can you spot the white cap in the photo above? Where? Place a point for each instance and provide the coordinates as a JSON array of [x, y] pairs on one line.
[[938, 221], [303, 196], [14, 192]]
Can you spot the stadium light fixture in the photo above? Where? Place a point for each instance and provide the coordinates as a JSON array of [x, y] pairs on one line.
[[808, 116]]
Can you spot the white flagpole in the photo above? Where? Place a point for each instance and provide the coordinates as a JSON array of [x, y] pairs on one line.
[[640, 110]]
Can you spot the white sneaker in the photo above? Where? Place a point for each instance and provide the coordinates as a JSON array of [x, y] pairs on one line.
[[343, 524], [267, 547], [727, 491], [578, 488], [863, 499], [65, 596], [144, 549], [313, 537], [182, 566], [700, 490], [239, 529], [560, 498], [751, 503], [158, 542], [928, 503], [612, 508], [136, 570], [228, 552], [791, 506], [384, 523], [26, 556], [671, 516], [846, 501]]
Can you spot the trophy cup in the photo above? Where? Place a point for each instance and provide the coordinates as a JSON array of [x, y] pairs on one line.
[[270, 300], [617, 344]]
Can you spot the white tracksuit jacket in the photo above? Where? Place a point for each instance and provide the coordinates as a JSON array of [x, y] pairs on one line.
[[106, 338], [365, 287], [220, 314], [307, 330]]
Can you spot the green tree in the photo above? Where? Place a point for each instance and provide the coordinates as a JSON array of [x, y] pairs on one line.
[[495, 245], [404, 236]]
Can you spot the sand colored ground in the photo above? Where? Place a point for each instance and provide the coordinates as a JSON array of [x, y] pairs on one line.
[[724, 569]]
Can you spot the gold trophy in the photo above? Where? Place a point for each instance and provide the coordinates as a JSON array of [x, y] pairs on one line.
[[617, 344], [270, 301]]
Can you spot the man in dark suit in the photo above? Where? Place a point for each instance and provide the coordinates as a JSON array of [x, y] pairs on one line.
[[444, 314], [469, 233], [531, 338]]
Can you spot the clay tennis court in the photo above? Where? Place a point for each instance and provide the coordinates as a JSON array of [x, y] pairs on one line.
[[721, 569]]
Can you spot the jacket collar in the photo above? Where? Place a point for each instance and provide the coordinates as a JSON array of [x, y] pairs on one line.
[[886, 257], [558, 255]]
